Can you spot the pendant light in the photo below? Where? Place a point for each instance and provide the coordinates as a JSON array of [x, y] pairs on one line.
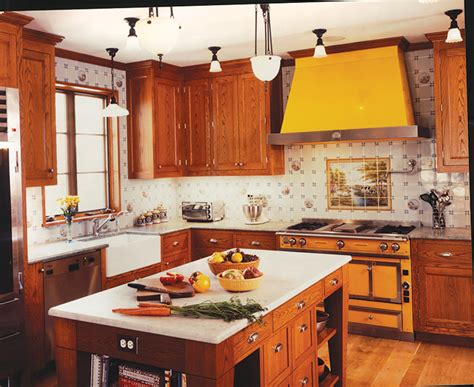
[[319, 50], [113, 109], [158, 34], [454, 34], [132, 39], [215, 64], [265, 67]]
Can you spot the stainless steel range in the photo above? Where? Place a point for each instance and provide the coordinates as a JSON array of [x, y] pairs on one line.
[[380, 299]]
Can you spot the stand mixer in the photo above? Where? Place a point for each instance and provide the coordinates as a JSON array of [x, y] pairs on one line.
[[255, 209]]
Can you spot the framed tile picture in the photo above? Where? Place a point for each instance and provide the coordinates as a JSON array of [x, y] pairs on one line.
[[359, 184]]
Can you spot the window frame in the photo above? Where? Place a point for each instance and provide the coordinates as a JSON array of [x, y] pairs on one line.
[[113, 155]]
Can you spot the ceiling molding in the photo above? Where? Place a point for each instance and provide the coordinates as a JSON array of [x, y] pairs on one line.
[[80, 57], [15, 18], [40, 36], [420, 46]]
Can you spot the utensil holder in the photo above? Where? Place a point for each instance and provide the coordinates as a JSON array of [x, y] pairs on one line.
[[439, 219]]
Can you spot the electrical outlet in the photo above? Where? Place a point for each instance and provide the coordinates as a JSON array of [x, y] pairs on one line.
[[127, 344]]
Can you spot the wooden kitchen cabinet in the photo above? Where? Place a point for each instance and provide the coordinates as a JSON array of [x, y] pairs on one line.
[[154, 131], [37, 107], [442, 291], [175, 249], [450, 104]]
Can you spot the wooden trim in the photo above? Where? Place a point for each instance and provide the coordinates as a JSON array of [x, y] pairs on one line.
[[420, 46], [86, 58], [15, 18], [440, 36], [460, 341], [67, 86], [399, 41], [40, 36], [80, 217]]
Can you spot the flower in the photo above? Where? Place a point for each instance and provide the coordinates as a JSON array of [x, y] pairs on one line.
[[69, 205]]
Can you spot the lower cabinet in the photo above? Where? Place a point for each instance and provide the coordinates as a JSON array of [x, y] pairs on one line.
[[304, 374], [175, 249], [277, 354], [120, 279]]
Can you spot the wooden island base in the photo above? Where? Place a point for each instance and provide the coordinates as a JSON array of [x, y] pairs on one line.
[[281, 352]]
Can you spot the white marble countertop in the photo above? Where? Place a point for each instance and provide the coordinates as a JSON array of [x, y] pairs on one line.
[[286, 275], [55, 250]]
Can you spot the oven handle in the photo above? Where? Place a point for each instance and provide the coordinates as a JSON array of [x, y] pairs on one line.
[[3, 338], [9, 301]]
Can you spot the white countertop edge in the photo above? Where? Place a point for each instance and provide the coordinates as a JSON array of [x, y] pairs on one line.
[[132, 323], [53, 255]]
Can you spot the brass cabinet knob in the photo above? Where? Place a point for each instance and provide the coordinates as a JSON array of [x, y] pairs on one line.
[[334, 282], [304, 381], [303, 328], [175, 243], [253, 338], [255, 243], [278, 347], [301, 304], [51, 170], [212, 240]]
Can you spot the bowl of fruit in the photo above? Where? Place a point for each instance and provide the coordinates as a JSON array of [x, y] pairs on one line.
[[235, 280], [232, 259]]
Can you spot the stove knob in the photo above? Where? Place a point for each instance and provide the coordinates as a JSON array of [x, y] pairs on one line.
[[395, 247], [383, 246], [285, 240], [340, 244], [292, 241], [302, 242], [406, 285]]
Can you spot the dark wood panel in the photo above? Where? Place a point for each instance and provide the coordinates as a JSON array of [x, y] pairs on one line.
[[9, 54], [213, 239], [175, 243], [454, 254], [255, 240]]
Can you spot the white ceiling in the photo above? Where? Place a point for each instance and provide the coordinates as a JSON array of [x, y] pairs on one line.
[[232, 27]]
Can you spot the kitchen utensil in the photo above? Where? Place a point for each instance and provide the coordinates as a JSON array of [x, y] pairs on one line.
[[238, 285], [321, 320], [252, 212], [217, 268], [162, 298], [321, 367], [179, 290], [426, 198]]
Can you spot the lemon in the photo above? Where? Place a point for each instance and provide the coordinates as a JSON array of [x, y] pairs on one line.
[[217, 258], [237, 257]]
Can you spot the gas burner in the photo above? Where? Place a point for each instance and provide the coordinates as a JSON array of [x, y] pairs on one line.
[[388, 229], [351, 228], [307, 226]]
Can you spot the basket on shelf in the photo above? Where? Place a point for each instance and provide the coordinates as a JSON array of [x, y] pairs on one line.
[[240, 285]]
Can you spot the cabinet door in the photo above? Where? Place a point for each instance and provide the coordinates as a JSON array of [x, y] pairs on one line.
[[452, 112], [276, 355], [225, 131], [37, 98], [166, 120], [8, 55], [386, 281], [444, 296], [359, 275], [198, 131], [252, 123]]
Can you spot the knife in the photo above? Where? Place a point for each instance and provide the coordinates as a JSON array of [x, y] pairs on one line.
[[138, 286], [164, 298]]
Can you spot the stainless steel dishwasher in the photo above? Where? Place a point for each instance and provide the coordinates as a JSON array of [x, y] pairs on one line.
[[65, 280]]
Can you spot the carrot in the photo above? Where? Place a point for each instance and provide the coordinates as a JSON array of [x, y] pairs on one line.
[[151, 305], [161, 311]]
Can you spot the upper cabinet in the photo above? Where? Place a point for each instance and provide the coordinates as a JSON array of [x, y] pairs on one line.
[[450, 104], [37, 107], [154, 124], [11, 30]]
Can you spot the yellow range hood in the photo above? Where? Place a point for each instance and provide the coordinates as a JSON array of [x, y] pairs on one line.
[[349, 96]]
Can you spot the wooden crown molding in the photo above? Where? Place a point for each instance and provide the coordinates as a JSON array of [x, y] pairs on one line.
[[399, 41], [15, 18], [77, 56], [420, 46], [43, 37], [440, 36]]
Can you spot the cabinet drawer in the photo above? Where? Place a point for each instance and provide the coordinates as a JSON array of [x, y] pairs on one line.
[[216, 240], [297, 304], [251, 337], [255, 240], [302, 329], [277, 355], [173, 261], [380, 318], [304, 374], [174, 243], [445, 253], [332, 282]]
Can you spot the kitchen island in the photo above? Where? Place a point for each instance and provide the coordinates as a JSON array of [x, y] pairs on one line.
[[282, 351]]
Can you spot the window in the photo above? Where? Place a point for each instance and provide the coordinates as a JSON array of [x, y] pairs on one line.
[[87, 152]]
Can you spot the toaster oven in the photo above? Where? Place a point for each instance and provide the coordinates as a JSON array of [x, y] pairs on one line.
[[202, 211]]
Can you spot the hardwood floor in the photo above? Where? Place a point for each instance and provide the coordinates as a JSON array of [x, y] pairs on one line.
[[383, 362]]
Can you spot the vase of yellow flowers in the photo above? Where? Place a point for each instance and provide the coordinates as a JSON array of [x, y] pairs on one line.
[[68, 207]]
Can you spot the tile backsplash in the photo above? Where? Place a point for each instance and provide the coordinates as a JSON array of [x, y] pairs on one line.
[[302, 191]]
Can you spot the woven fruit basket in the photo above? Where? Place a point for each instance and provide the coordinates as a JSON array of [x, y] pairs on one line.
[[240, 285], [218, 268]]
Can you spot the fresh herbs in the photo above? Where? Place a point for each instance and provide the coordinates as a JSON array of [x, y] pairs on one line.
[[228, 311]]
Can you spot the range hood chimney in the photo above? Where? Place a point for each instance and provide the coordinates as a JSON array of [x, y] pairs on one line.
[[350, 96]]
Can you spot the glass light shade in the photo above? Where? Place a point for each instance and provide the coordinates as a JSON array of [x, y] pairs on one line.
[[114, 110], [215, 67], [454, 36], [132, 44], [265, 67], [158, 35], [320, 51]]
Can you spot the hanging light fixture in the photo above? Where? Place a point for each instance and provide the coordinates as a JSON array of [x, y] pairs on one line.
[[158, 34], [132, 39], [265, 67], [215, 64], [319, 50], [454, 34], [113, 109]]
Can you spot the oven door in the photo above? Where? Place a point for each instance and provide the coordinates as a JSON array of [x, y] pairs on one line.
[[375, 280]]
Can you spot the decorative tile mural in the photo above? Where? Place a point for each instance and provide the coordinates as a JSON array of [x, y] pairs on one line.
[[359, 184]]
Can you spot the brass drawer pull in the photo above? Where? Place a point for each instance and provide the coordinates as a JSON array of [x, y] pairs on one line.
[[371, 316], [255, 243], [304, 381], [301, 304], [167, 263], [446, 254], [303, 328], [334, 282], [253, 338], [278, 347], [175, 243], [212, 240]]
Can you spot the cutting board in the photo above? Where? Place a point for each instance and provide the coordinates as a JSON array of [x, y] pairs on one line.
[[179, 290]]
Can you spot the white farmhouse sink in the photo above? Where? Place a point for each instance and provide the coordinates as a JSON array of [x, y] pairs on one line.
[[128, 252]]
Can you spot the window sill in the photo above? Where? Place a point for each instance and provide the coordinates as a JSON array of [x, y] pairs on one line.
[[77, 219]]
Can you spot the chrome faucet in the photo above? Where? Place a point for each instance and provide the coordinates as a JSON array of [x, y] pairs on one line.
[[98, 225]]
